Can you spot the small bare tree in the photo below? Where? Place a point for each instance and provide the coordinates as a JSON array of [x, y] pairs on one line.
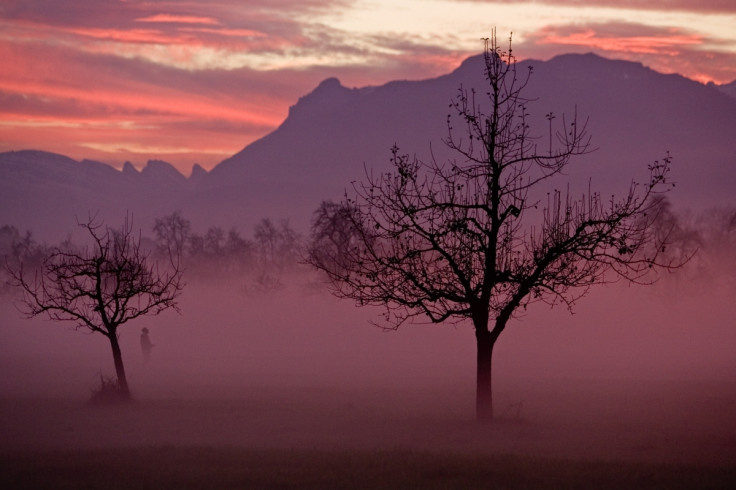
[[334, 236], [172, 234], [17, 248], [277, 252], [101, 287], [475, 238]]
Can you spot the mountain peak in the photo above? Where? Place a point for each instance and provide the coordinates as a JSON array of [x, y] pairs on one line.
[[162, 172], [595, 63], [198, 173], [330, 92], [329, 84], [158, 166], [587, 57], [128, 168]]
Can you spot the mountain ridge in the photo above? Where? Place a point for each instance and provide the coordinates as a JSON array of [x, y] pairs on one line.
[[334, 134]]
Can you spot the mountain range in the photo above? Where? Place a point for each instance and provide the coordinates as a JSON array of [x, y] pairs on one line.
[[335, 134]]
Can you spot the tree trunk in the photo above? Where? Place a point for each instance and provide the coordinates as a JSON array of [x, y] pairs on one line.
[[483, 391], [119, 368]]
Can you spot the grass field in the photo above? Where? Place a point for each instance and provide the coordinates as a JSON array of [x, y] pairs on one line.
[[568, 435], [229, 467]]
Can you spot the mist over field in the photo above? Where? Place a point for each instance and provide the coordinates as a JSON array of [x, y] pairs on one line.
[[636, 374], [228, 339]]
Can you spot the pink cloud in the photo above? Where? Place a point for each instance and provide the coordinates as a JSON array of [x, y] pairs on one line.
[[226, 32], [65, 100], [127, 35], [669, 43], [179, 19]]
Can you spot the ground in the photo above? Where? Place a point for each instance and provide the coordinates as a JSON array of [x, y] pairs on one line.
[[297, 390], [564, 434]]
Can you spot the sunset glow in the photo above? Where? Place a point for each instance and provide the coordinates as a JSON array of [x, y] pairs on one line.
[[196, 82]]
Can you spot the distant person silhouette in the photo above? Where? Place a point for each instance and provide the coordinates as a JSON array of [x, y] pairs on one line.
[[146, 345]]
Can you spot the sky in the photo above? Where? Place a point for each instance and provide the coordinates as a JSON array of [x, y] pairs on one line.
[[195, 81]]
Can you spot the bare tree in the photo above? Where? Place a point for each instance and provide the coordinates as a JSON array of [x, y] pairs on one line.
[[17, 248], [172, 233], [334, 237], [485, 234], [277, 246], [678, 240], [239, 251], [716, 236], [101, 287]]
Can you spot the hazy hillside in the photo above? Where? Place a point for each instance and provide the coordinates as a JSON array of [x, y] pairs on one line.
[[46, 192], [636, 115], [334, 134]]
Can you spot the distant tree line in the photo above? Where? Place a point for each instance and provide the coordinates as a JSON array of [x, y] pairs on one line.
[[274, 250], [708, 237], [261, 261]]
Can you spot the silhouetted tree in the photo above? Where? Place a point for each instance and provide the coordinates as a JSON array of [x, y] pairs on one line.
[[239, 251], [678, 240], [17, 248], [218, 252], [101, 287], [267, 238], [334, 236], [172, 234], [717, 237], [214, 241], [277, 246], [208, 248], [476, 238]]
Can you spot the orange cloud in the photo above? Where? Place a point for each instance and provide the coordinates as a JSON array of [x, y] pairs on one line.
[[226, 32], [127, 35], [166, 104], [92, 106], [669, 44]]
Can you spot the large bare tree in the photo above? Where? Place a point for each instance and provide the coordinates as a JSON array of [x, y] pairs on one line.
[[486, 233], [102, 286]]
